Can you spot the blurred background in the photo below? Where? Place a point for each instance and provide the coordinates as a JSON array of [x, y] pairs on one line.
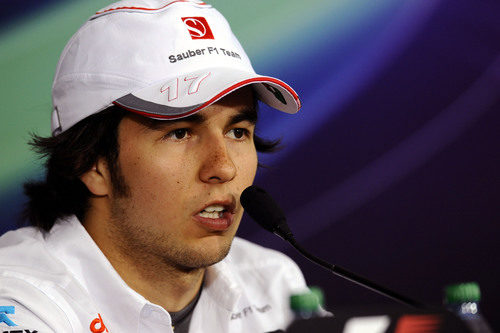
[[391, 169]]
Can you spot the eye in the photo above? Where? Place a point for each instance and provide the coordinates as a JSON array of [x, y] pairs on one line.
[[238, 133], [178, 134]]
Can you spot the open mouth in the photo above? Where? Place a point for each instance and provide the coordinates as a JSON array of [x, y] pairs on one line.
[[213, 212], [217, 216]]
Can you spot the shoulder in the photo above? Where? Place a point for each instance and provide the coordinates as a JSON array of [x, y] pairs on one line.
[[32, 283], [24, 252], [267, 265], [264, 278], [28, 308]]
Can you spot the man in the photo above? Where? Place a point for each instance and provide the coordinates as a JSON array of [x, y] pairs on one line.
[[153, 142]]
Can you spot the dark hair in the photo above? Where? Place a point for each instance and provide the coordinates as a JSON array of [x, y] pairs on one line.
[[71, 154]]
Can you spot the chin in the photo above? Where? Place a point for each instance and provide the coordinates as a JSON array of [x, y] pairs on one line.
[[204, 256]]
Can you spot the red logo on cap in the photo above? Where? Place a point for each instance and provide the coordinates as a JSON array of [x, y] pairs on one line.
[[198, 27]]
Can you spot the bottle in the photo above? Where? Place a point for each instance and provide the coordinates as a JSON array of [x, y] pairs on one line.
[[308, 304], [463, 300]]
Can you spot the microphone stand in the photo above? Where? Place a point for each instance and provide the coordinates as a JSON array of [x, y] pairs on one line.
[[348, 275]]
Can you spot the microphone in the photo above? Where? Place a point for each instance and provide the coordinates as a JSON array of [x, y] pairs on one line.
[[265, 211]]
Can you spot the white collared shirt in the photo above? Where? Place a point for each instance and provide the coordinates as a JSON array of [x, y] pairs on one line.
[[61, 282]]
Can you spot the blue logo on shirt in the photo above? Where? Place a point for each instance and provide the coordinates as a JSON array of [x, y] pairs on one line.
[[4, 310]]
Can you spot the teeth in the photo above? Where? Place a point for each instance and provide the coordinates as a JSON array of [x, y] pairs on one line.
[[214, 208], [210, 215], [212, 212]]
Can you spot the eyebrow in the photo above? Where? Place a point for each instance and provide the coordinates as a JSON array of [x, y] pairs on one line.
[[246, 114]]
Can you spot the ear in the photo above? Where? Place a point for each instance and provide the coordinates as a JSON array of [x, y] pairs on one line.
[[97, 179]]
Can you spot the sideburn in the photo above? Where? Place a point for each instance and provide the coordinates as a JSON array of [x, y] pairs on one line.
[[120, 186]]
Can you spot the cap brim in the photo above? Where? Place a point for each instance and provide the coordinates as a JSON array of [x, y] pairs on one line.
[[189, 93]]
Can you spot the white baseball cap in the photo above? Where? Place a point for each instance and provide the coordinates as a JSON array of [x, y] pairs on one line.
[[164, 59]]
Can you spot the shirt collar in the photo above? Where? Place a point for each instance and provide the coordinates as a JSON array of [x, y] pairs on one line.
[[221, 285]]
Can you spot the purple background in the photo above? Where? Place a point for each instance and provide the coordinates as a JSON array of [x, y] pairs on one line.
[[392, 167]]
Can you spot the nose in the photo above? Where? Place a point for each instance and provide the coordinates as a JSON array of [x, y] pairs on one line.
[[217, 166]]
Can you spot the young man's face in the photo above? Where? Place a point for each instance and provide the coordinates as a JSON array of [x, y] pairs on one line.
[[180, 175]]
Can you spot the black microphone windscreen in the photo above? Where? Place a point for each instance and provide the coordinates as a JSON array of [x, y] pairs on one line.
[[263, 209]]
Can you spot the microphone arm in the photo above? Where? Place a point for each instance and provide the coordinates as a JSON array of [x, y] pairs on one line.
[[264, 210], [364, 282]]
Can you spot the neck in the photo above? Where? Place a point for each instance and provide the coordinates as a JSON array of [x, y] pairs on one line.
[[172, 290], [160, 282]]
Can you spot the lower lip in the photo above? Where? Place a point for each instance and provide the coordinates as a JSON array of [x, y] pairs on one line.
[[221, 224]]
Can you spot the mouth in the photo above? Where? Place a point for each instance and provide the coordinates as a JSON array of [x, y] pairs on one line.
[[213, 212], [216, 216]]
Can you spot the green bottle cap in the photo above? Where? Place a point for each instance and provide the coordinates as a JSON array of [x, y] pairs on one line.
[[307, 301], [462, 292]]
